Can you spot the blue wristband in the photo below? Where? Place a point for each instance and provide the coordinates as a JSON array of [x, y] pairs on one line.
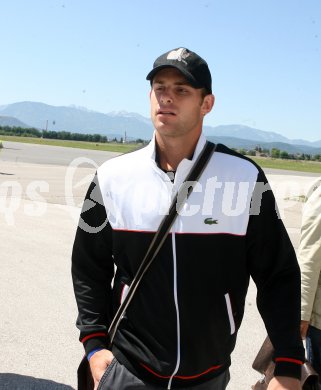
[[93, 352]]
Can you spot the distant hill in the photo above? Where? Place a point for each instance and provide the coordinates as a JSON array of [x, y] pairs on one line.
[[245, 132], [79, 120], [246, 144], [11, 122], [82, 120], [249, 133]]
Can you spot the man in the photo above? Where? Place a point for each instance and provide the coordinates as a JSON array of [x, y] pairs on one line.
[[309, 256], [180, 328]]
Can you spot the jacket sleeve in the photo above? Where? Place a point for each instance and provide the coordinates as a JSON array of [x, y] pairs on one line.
[[275, 271], [309, 252], [93, 270]]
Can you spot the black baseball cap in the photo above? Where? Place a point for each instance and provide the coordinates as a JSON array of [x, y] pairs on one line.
[[193, 67]]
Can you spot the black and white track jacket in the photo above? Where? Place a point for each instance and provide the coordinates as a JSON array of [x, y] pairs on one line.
[[181, 326]]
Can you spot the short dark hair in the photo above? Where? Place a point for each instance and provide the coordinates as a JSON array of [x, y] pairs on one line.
[[204, 92]]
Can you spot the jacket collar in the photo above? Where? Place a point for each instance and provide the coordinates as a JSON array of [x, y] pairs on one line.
[[185, 165], [151, 148]]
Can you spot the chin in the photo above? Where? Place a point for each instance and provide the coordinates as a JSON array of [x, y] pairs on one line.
[[163, 128]]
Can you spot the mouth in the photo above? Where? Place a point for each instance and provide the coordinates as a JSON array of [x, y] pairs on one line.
[[165, 112]]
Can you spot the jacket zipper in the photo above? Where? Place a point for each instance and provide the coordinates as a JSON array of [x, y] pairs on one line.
[[178, 358], [230, 312]]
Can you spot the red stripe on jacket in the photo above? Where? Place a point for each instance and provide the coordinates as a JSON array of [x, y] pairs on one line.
[[180, 376], [288, 360], [90, 336]]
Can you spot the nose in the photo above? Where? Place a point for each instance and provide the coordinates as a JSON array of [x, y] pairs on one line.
[[166, 98]]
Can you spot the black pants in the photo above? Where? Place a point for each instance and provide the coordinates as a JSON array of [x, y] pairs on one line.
[[117, 377]]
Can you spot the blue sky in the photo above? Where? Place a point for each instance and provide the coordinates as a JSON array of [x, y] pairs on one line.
[[265, 56]]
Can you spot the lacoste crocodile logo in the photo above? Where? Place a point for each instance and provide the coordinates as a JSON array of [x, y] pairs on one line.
[[210, 221]]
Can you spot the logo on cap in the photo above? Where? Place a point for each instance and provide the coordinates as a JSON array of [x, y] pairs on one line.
[[178, 55]]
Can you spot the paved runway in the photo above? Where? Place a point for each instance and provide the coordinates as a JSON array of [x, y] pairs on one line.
[[49, 155], [41, 192]]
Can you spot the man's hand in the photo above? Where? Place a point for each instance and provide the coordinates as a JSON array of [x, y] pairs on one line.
[[284, 383], [99, 362], [304, 328]]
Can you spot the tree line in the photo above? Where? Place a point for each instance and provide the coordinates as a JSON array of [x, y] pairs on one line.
[[278, 153], [61, 135]]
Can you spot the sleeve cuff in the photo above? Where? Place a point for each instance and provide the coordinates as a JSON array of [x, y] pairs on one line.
[[95, 341], [288, 367], [93, 352]]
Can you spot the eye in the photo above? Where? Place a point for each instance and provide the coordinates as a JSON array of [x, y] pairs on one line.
[[182, 90], [158, 87]]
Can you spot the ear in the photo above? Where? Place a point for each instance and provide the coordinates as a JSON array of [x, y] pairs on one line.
[[208, 103]]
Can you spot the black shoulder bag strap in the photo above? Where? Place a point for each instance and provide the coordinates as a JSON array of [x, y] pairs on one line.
[[163, 230]]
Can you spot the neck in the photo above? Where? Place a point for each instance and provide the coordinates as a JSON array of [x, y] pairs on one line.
[[171, 151]]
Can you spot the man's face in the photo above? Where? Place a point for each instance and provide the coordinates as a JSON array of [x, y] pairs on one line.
[[176, 107]]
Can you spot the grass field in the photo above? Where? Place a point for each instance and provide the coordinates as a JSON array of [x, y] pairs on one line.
[[288, 165], [109, 147], [264, 162]]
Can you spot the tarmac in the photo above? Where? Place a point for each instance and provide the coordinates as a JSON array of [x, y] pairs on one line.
[[41, 193]]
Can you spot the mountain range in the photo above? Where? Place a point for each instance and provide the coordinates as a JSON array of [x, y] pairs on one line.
[[11, 122], [133, 126]]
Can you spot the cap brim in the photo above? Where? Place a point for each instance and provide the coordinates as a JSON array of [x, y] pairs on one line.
[[191, 80]]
